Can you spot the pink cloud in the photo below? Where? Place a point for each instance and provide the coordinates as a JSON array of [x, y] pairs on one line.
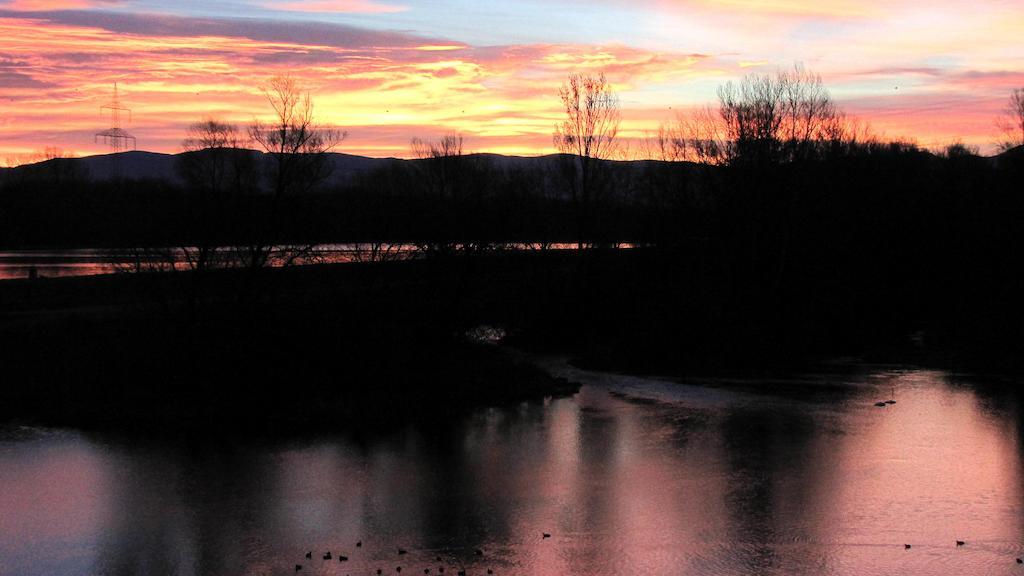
[[386, 87], [43, 5]]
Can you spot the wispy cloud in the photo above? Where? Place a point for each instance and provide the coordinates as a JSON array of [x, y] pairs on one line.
[[29, 5], [336, 6]]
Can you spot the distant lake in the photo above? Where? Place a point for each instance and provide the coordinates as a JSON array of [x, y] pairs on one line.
[[55, 263], [800, 475]]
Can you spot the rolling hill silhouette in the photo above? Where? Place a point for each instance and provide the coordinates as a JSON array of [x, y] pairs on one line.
[[142, 165]]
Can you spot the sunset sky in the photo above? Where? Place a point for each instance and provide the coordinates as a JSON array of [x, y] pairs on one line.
[[389, 70]]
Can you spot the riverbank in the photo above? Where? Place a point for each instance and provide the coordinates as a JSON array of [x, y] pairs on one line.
[[372, 344], [326, 347]]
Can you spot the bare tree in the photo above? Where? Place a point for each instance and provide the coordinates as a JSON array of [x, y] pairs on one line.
[[377, 250], [51, 166], [664, 145], [765, 123], [442, 163], [297, 148], [959, 150], [695, 137], [587, 136], [212, 134], [439, 167], [454, 182], [212, 166], [771, 119], [1011, 122]]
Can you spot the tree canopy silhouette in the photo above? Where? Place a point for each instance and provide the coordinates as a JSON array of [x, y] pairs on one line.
[[773, 118], [1011, 122], [587, 136], [214, 166], [297, 147]]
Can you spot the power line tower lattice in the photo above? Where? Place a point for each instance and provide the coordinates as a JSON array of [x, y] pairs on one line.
[[119, 139]]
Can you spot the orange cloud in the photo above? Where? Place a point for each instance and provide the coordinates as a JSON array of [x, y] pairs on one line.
[[57, 69], [384, 89]]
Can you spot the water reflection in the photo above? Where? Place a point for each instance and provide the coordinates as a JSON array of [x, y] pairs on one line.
[[631, 476], [19, 264]]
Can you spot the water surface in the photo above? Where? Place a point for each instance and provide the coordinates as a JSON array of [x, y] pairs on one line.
[[58, 263], [631, 476]]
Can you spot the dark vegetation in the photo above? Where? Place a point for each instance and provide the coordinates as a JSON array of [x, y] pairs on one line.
[[770, 232], [366, 344]]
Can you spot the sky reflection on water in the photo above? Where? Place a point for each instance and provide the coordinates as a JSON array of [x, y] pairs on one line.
[[631, 476]]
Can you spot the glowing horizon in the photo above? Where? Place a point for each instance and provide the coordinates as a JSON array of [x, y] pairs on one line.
[[391, 70]]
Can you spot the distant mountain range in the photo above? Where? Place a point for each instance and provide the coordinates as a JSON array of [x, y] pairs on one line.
[[138, 165]]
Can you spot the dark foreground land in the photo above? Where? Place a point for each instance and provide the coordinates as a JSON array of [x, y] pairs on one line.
[[380, 343], [318, 347]]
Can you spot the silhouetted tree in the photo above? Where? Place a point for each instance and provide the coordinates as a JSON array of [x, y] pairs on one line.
[[297, 150], [381, 212], [440, 168], [442, 164], [61, 170], [664, 182], [51, 167], [770, 119], [960, 150], [217, 171], [1011, 122], [454, 182], [214, 165], [768, 133], [587, 137]]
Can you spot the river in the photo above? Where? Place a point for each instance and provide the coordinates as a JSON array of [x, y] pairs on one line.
[[801, 475], [58, 263]]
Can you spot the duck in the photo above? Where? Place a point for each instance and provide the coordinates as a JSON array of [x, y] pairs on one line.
[[545, 535], [359, 544], [298, 567], [400, 551], [309, 554], [327, 555], [1019, 561], [960, 542], [342, 558], [881, 404], [398, 569], [479, 552], [906, 546]]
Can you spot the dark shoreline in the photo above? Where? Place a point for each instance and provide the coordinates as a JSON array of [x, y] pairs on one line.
[[372, 345]]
